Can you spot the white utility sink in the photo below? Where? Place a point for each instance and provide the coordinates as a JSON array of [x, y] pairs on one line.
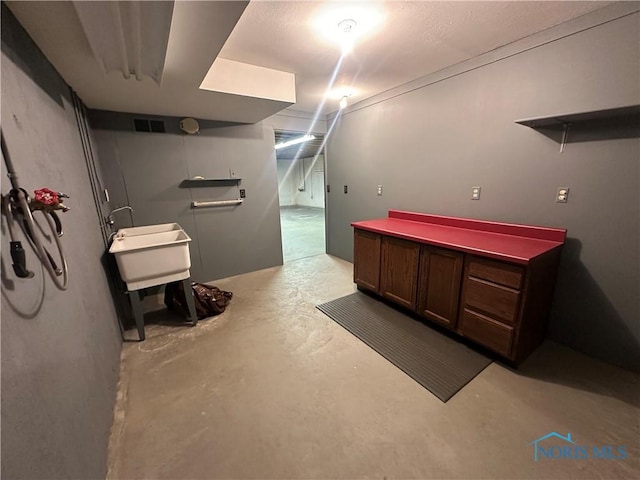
[[152, 255], [147, 229]]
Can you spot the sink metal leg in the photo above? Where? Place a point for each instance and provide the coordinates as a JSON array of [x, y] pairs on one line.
[[188, 293], [138, 313]]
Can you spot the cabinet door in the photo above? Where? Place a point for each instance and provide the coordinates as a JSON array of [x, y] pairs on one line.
[[439, 285], [399, 275], [366, 259]]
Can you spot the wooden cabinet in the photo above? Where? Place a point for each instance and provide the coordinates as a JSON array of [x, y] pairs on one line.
[[491, 299], [505, 307], [439, 284], [500, 305], [399, 272], [366, 260]]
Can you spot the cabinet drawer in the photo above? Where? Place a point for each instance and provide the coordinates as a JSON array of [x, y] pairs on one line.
[[496, 272], [495, 300], [488, 332]]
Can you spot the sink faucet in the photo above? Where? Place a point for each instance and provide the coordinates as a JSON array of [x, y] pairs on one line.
[[110, 220]]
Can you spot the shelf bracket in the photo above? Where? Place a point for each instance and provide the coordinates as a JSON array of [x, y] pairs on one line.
[[565, 134]]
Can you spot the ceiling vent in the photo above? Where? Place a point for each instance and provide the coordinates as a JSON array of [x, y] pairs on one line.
[[152, 126]]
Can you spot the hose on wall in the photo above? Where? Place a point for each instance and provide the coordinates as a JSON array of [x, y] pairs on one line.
[[17, 204]]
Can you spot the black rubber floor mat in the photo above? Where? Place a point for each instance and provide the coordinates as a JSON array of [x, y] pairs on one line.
[[438, 363]]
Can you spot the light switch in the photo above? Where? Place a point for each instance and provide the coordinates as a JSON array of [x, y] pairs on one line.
[[475, 193], [379, 190], [563, 195]]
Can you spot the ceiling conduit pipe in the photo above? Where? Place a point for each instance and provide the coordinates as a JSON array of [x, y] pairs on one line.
[[122, 44], [136, 35]]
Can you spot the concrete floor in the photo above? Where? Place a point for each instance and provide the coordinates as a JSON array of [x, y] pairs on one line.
[[302, 232], [273, 388]]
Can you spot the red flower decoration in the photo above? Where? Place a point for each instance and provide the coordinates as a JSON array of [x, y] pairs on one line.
[[46, 196]]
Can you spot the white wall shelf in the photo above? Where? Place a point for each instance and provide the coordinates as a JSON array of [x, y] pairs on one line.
[[598, 119], [209, 182], [623, 114]]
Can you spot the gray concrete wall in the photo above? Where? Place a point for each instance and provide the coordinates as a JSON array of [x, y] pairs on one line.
[[288, 179], [306, 174], [295, 121], [430, 142], [313, 193], [60, 350], [144, 170]]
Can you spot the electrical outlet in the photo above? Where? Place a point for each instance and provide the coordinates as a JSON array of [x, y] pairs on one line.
[[328, 188], [475, 193], [563, 195], [379, 190], [346, 189], [243, 194]]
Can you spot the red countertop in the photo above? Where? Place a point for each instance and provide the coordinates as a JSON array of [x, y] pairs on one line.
[[502, 241]]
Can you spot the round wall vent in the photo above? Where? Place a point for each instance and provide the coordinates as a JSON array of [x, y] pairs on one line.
[[189, 125]]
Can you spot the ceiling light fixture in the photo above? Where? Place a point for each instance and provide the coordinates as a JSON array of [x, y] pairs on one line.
[[344, 100], [294, 141], [342, 91], [349, 22], [347, 34]]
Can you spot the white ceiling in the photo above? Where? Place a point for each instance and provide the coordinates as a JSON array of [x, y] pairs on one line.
[[412, 39], [415, 39]]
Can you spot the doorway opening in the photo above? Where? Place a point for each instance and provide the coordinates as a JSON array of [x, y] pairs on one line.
[[301, 185]]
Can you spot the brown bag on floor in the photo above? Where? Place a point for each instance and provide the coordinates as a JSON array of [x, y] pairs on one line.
[[208, 299]]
